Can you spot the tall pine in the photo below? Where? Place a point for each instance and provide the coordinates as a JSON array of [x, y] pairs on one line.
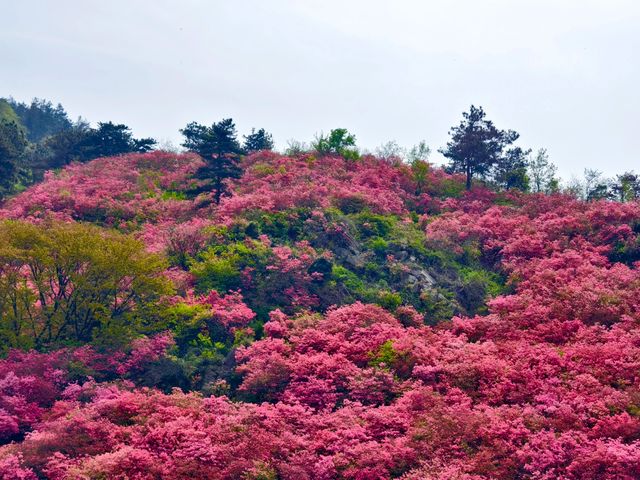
[[219, 148], [476, 145]]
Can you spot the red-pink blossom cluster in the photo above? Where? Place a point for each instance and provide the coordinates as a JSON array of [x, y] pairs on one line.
[[114, 191], [545, 385], [229, 310], [273, 182], [31, 382]]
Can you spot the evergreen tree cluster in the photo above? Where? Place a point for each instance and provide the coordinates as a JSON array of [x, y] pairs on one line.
[[219, 147], [39, 136], [479, 149]]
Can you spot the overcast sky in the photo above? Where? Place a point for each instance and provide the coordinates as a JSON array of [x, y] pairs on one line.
[[563, 73]]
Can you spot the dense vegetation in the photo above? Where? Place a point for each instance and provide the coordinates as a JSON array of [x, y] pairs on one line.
[[321, 314], [38, 137]]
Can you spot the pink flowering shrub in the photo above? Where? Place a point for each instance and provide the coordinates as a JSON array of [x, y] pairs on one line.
[[112, 190], [31, 382], [544, 384], [273, 182], [229, 310]]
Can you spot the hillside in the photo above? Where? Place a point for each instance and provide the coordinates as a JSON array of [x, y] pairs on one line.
[[331, 318]]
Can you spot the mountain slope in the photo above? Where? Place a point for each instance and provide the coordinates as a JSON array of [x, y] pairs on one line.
[[332, 319]]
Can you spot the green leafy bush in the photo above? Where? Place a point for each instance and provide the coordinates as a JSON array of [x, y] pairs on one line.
[[71, 283], [220, 267]]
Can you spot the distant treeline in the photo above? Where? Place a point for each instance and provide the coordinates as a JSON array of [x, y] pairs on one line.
[[39, 136]]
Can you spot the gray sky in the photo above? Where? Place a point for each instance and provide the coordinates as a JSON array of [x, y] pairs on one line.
[[563, 73]]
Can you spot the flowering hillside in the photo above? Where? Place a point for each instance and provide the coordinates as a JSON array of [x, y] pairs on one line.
[[330, 319]]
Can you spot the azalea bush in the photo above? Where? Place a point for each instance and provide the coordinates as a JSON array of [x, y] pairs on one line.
[[332, 318]]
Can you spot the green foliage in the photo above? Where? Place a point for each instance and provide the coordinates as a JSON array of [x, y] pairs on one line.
[[263, 169], [285, 226], [257, 140], [79, 143], [12, 145], [217, 272], [323, 266], [386, 355], [220, 267], [40, 118], [295, 148], [202, 347], [219, 148], [437, 304], [173, 195], [448, 188], [374, 225], [352, 282], [111, 139], [242, 338], [542, 173], [338, 142], [626, 252], [186, 321], [261, 471], [419, 153], [407, 236], [389, 300], [8, 114], [84, 284], [626, 187], [420, 173], [476, 145], [60, 149], [378, 245], [511, 170], [218, 139], [477, 285], [394, 255]]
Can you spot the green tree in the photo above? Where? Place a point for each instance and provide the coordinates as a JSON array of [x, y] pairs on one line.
[[476, 145], [69, 283], [111, 139], [421, 151], [7, 113], [338, 142], [596, 187], [295, 148], [219, 148], [258, 140], [41, 118], [12, 146], [420, 173], [56, 151], [542, 173], [626, 187], [390, 152], [80, 143], [510, 171]]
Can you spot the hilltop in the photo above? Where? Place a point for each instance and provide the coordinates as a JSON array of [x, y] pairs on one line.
[[332, 317]]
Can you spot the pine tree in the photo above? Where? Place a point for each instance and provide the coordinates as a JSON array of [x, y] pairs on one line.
[[41, 118], [258, 140], [219, 148], [511, 169], [111, 139], [12, 145], [476, 145]]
